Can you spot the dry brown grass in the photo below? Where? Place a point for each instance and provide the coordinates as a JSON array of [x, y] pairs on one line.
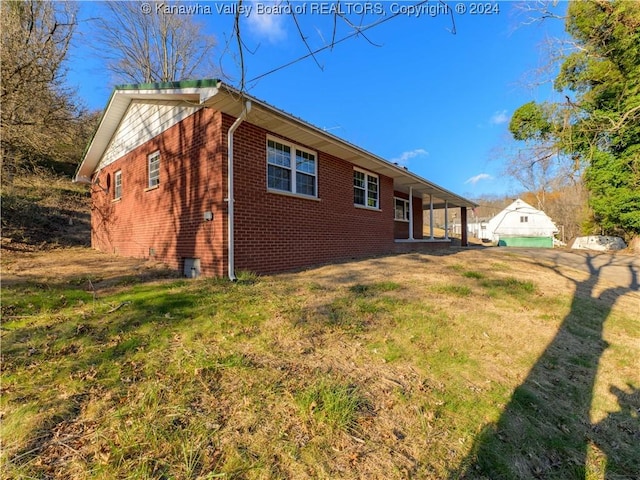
[[41, 210], [201, 378], [77, 265]]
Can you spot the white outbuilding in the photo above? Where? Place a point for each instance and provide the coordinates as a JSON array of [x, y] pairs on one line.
[[521, 225]]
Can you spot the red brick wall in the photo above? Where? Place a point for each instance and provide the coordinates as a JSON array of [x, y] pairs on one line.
[[277, 232], [170, 218], [273, 232]]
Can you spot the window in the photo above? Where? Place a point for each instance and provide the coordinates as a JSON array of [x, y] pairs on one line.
[[365, 189], [287, 175], [154, 169], [524, 219], [117, 190], [402, 209]]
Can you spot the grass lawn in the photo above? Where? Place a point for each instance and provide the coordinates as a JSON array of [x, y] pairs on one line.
[[464, 364]]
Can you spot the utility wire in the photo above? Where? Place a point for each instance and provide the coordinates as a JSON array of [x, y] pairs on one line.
[[357, 31]]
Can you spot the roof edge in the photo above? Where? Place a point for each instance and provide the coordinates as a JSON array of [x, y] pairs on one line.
[[204, 83], [207, 87], [161, 87], [348, 144]]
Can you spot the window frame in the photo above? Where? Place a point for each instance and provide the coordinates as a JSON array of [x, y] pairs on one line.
[[524, 219], [293, 168], [406, 209], [153, 157], [117, 185], [367, 176]]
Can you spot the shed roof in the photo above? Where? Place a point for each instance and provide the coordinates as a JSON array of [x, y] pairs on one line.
[[508, 221], [214, 94]]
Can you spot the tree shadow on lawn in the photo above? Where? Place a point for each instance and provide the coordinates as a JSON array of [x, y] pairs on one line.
[[545, 430]]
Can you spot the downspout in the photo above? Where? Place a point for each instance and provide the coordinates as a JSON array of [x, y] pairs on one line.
[[230, 198]]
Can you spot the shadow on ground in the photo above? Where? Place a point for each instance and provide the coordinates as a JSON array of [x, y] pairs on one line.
[[545, 430]]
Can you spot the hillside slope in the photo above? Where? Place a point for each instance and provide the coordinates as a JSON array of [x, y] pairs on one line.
[[41, 209]]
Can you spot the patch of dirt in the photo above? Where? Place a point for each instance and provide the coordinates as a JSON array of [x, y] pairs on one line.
[[634, 246], [77, 265]]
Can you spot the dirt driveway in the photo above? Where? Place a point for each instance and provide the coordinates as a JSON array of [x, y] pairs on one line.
[[614, 278], [621, 270]]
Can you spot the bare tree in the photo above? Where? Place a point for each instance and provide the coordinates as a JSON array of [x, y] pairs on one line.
[[535, 168], [36, 107], [152, 42], [567, 206]]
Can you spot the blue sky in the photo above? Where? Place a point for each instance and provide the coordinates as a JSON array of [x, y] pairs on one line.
[[432, 99]]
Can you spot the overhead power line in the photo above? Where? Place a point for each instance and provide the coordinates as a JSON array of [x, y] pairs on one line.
[[356, 32]]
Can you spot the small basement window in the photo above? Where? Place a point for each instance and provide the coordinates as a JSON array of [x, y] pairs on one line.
[[192, 267]]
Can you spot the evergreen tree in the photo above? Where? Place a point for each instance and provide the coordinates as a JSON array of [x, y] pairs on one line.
[[599, 125]]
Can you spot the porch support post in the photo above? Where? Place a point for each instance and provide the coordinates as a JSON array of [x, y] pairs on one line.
[[431, 216], [410, 213], [446, 220], [463, 225]]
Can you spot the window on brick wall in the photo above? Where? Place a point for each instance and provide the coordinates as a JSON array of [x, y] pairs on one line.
[[291, 168], [154, 169], [117, 189], [365, 189], [401, 209]]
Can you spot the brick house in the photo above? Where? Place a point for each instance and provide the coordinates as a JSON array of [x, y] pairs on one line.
[[211, 181]]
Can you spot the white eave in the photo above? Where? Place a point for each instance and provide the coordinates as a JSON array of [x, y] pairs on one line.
[[230, 101]]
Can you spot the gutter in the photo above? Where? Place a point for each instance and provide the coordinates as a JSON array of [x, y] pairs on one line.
[[358, 151], [230, 197]]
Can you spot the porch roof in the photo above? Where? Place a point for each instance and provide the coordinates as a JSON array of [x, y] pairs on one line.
[[224, 98]]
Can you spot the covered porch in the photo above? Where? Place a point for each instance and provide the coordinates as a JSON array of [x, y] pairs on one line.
[[423, 199]]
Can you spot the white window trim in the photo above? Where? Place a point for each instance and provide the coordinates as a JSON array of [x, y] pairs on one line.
[[117, 175], [366, 189], [151, 156], [406, 211], [293, 147]]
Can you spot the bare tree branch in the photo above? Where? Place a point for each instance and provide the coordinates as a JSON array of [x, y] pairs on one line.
[[354, 32], [304, 38], [37, 117], [149, 42], [236, 29]]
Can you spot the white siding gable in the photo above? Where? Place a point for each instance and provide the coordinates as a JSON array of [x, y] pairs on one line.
[[143, 121]]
